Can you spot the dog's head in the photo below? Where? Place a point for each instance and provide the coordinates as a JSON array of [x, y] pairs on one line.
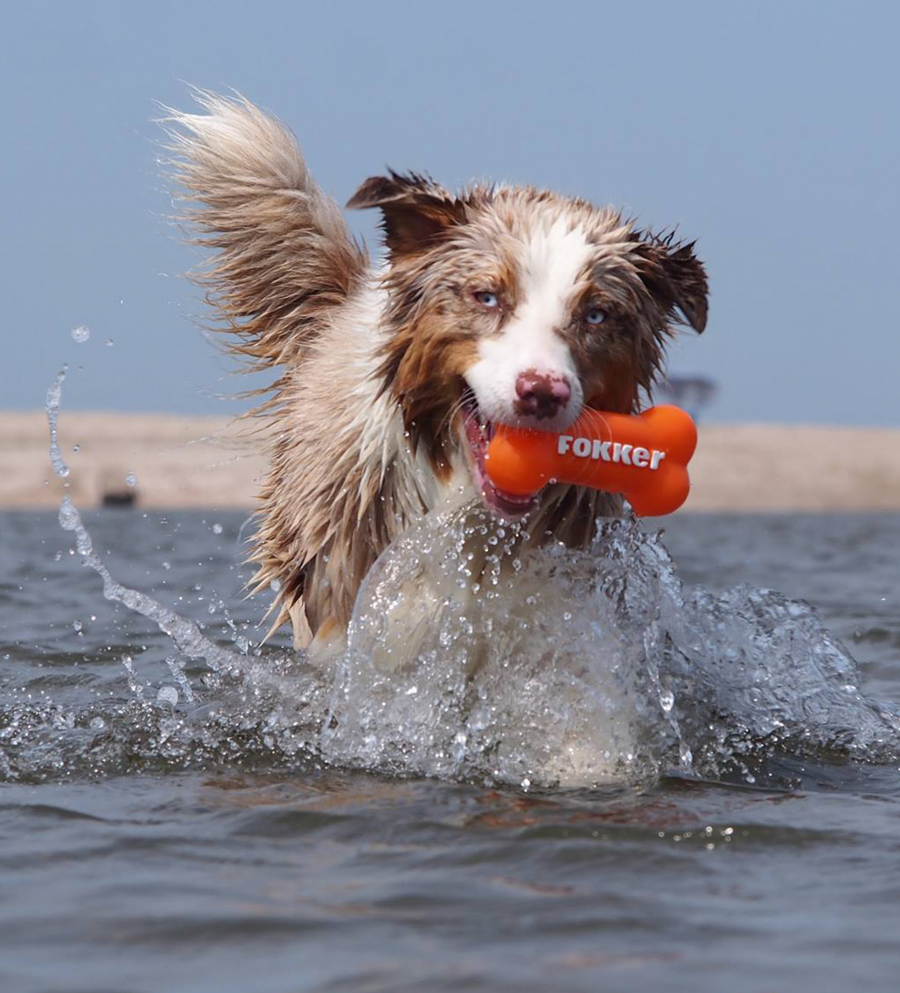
[[517, 306]]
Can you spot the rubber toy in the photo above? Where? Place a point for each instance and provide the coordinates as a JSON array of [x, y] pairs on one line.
[[644, 457]]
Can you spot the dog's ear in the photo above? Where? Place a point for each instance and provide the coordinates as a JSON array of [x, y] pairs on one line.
[[416, 211], [675, 276]]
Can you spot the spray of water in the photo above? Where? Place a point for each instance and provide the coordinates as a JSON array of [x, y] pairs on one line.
[[584, 668], [54, 400], [470, 659], [184, 633]]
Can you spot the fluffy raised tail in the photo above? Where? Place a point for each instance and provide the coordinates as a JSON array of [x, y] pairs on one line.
[[282, 254]]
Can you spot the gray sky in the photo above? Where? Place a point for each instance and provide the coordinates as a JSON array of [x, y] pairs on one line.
[[768, 131]]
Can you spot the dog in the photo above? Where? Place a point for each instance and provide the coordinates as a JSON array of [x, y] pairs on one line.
[[496, 305]]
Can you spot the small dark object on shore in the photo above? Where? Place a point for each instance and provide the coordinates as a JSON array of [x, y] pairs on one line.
[[119, 498]]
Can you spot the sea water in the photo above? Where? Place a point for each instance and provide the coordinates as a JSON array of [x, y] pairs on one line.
[[637, 765], [275, 829]]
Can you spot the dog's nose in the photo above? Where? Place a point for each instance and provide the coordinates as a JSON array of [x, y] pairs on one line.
[[541, 394]]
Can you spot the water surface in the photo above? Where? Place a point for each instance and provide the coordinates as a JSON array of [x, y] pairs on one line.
[[153, 842]]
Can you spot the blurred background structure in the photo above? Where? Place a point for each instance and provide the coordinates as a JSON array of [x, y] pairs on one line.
[[693, 393]]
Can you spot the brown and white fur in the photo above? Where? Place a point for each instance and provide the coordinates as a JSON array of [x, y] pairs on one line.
[[499, 304]]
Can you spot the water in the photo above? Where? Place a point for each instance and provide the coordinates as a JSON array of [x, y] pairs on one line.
[[205, 818]]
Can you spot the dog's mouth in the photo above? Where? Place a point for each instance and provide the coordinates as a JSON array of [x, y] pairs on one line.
[[478, 432]]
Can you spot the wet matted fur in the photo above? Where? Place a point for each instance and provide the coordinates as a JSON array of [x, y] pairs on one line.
[[384, 369]]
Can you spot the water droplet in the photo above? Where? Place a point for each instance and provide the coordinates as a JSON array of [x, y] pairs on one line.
[[167, 696], [131, 479], [108, 342], [217, 528], [81, 333], [76, 448], [77, 625], [666, 700]]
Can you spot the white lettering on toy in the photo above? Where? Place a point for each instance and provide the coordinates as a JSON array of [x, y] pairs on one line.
[[608, 451]]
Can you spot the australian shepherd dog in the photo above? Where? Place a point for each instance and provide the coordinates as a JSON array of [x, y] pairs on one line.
[[494, 305]]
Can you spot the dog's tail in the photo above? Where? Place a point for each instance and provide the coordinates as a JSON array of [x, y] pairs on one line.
[[282, 255]]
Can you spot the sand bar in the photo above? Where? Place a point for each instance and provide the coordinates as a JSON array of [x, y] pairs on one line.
[[205, 462]]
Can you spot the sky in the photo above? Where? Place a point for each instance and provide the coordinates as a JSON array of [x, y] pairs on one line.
[[768, 131]]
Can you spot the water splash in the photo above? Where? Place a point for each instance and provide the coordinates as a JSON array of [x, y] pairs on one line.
[[54, 399], [513, 673], [184, 633], [607, 670], [468, 658], [552, 668]]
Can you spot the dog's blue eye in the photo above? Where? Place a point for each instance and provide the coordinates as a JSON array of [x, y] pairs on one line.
[[595, 316], [487, 299]]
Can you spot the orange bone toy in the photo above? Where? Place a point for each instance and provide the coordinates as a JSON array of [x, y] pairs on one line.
[[644, 457]]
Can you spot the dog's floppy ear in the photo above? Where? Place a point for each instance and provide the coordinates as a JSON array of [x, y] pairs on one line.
[[417, 211], [675, 276]]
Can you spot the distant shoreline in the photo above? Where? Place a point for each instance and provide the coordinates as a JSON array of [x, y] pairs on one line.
[[209, 462]]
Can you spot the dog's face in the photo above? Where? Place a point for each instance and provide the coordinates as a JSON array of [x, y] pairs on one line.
[[514, 306]]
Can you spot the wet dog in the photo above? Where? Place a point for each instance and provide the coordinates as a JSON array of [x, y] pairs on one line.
[[495, 305]]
